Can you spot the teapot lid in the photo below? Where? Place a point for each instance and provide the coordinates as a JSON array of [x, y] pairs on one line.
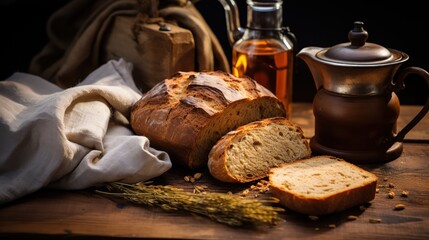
[[358, 50]]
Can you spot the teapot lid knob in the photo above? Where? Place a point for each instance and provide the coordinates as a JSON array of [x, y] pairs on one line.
[[358, 35], [357, 50]]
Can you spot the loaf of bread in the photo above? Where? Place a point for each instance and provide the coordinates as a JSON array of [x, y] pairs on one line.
[[249, 152], [186, 114], [321, 185]]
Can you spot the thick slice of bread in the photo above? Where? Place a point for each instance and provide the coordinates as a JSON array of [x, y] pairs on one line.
[[248, 153], [322, 185], [186, 114]]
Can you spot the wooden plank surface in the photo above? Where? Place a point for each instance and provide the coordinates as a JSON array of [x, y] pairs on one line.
[[55, 214]]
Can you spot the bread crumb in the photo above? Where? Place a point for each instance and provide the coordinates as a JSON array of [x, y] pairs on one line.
[[391, 185], [256, 190], [263, 186], [313, 218], [352, 217], [198, 175], [404, 193], [391, 194], [187, 178], [385, 179], [375, 220], [399, 207], [332, 226], [377, 190], [245, 192]]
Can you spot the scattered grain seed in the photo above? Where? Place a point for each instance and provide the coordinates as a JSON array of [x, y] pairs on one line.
[[352, 217], [192, 179], [385, 179], [377, 190], [187, 178], [404, 194], [399, 207], [200, 188], [391, 194], [375, 220], [313, 218], [332, 225], [245, 192], [391, 185], [198, 175], [317, 229]]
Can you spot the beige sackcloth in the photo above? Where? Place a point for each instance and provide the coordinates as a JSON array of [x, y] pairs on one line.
[[78, 31]]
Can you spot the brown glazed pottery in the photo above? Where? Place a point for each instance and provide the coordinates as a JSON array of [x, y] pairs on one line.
[[355, 107]]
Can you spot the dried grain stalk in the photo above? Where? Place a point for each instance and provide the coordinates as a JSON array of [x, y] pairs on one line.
[[225, 208]]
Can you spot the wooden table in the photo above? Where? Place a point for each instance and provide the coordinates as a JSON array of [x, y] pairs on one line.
[[57, 214]]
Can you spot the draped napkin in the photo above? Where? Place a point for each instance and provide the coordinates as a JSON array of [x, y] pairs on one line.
[[72, 138]]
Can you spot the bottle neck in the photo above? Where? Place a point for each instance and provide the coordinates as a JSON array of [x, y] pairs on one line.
[[264, 15]]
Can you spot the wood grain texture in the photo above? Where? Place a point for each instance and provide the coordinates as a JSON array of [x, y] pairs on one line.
[[55, 214]]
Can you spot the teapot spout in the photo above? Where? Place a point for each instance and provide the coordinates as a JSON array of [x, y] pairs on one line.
[[234, 30], [308, 54]]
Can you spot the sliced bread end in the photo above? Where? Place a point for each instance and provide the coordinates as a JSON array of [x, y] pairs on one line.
[[321, 185]]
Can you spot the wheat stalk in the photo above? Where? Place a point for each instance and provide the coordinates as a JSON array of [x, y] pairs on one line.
[[225, 208]]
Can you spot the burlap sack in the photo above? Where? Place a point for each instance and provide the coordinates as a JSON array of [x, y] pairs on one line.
[[83, 35]]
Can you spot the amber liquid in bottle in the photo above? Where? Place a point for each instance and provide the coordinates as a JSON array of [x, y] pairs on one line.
[[268, 64]]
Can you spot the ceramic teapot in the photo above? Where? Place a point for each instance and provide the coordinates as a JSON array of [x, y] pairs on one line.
[[264, 50], [356, 106]]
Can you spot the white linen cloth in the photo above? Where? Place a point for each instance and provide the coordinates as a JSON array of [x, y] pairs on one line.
[[72, 138]]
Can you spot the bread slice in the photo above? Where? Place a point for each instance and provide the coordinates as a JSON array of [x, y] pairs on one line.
[[186, 114], [248, 153], [321, 185]]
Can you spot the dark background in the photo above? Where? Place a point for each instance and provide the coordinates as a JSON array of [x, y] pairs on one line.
[[401, 25]]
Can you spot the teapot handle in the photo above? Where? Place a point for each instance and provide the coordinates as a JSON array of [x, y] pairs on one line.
[[399, 85]]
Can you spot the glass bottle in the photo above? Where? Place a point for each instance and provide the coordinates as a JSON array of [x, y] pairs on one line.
[[265, 51]]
